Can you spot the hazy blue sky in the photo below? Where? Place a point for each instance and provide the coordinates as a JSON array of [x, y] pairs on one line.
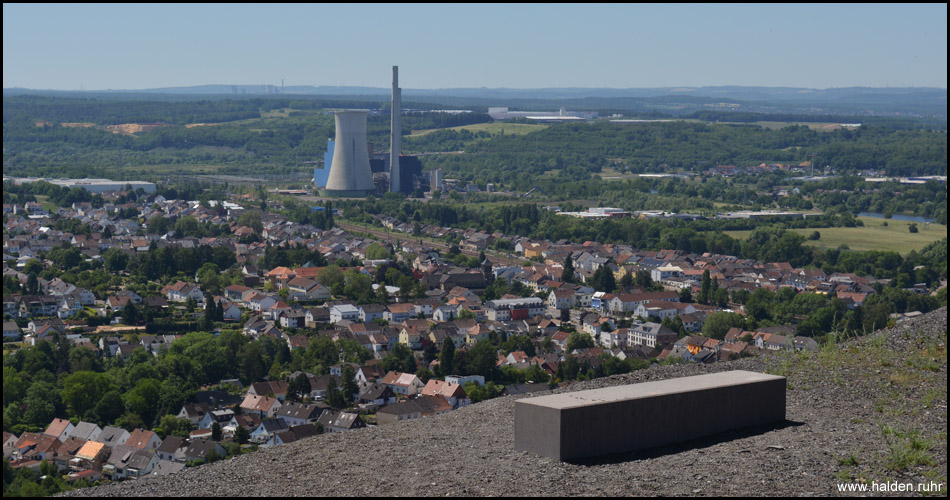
[[439, 46]]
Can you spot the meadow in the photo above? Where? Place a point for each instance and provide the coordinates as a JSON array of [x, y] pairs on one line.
[[874, 235]]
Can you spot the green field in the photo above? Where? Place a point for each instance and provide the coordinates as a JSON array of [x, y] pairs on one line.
[[873, 236], [494, 128]]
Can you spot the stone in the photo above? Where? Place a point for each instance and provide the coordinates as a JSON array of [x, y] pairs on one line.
[[633, 417]]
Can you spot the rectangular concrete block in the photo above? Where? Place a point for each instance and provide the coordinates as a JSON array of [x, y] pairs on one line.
[[634, 417]]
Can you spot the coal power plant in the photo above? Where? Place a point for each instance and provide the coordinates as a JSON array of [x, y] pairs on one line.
[[352, 164], [350, 173]]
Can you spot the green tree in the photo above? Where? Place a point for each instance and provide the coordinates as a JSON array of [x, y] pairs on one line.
[[603, 279], [447, 357], [143, 399], [718, 323], [567, 274], [335, 397], [208, 278], [216, 432], [83, 390], [704, 288], [350, 388], [579, 340], [242, 435], [375, 251], [42, 403], [171, 425], [298, 387], [109, 408]]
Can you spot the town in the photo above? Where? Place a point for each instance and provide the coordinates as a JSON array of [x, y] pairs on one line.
[[180, 348]]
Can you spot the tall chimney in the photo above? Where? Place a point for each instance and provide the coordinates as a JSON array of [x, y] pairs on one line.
[[395, 135]]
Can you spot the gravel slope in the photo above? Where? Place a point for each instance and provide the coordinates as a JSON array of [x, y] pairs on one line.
[[838, 401]]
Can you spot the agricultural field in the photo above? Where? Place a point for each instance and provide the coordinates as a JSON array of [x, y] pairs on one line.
[[873, 236]]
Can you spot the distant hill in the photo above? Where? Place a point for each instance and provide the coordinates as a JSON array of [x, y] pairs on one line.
[[742, 93], [903, 103]]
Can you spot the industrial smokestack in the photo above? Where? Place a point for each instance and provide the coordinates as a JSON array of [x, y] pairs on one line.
[[395, 135], [350, 173]]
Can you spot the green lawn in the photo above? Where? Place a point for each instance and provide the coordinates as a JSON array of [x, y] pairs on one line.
[[873, 236]]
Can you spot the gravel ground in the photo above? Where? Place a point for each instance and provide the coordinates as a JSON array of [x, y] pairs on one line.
[[839, 400]]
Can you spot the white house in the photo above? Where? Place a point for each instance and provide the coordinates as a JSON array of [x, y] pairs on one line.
[[342, 312]]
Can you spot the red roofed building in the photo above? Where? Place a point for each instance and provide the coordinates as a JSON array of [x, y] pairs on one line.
[[453, 393]]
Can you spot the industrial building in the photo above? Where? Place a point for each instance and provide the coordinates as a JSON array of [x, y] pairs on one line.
[[502, 113], [322, 174], [91, 185]]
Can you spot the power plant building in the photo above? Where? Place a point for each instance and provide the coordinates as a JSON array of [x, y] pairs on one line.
[[322, 174], [350, 172]]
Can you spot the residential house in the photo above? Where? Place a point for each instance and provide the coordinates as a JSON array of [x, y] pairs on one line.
[[35, 446], [267, 429], [303, 289], [406, 384], [295, 433], [172, 449], [370, 312], [264, 406], [663, 309], [113, 436], [453, 393], [144, 440], [181, 292], [127, 461], [650, 334], [92, 456], [334, 421], [66, 452], [377, 394], [518, 308], [249, 421], [445, 313], [86, 430], [398, 313], [194, 412], [370, 373], [276, 388], [221, 417], [407, 410], [10, 331], [294, 318], [59, 428], [412, 337], [299, 413], [561, 298], [316, 315], [341, 312]]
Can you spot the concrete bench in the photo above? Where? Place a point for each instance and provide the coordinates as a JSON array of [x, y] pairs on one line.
[[634, 417]]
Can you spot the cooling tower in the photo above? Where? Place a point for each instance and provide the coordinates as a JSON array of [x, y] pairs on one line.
[[350, 174]]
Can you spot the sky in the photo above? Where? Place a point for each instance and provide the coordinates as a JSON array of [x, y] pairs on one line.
[[114, 46]]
